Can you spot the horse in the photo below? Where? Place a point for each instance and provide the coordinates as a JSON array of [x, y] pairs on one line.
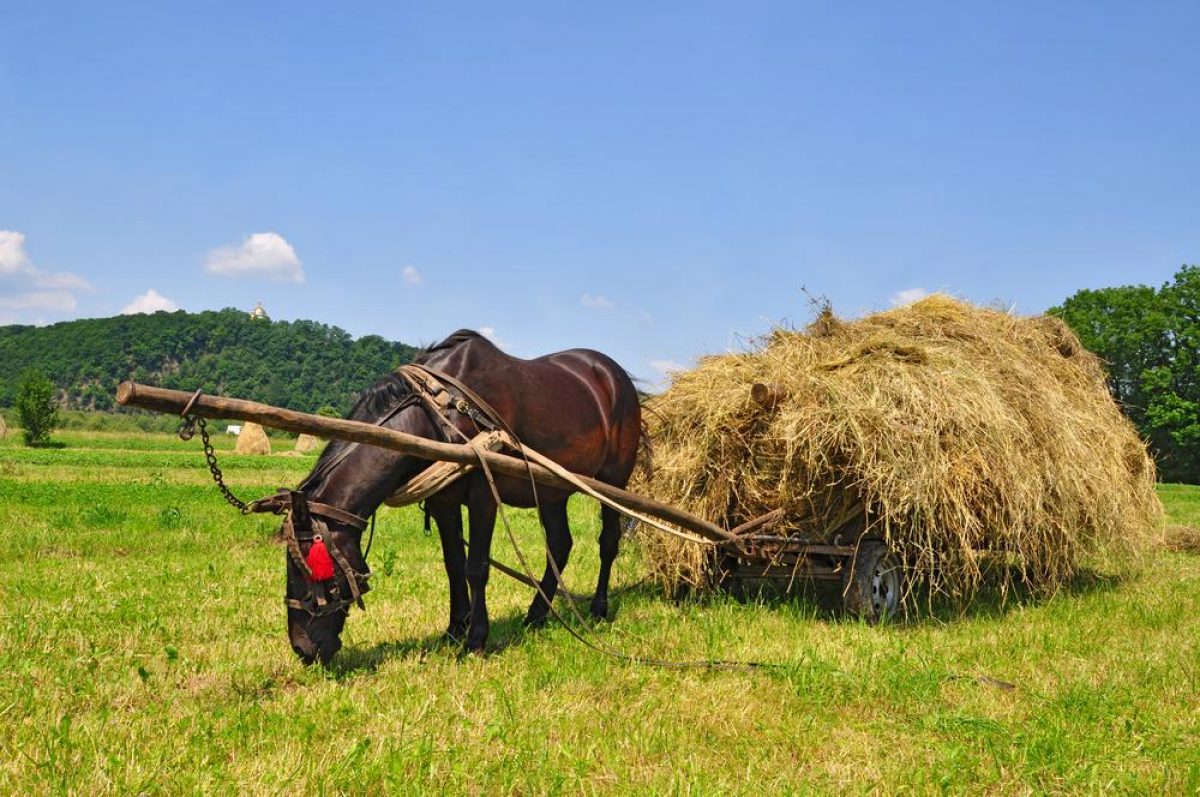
[[578, 407]]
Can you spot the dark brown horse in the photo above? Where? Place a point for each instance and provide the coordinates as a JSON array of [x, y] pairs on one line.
[[577, 407]]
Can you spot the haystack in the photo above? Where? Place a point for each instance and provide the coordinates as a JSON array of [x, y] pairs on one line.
[[3, 428], [307, 443], [971, 439], [252, 440]]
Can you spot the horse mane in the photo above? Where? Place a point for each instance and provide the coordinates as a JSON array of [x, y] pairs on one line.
[[455, 339], [379, 399], [374, 402]]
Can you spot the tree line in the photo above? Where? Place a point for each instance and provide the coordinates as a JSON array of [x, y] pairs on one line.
[[303, 365], [1149, 339]]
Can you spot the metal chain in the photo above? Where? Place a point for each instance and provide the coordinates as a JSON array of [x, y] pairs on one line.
[[186, 430]]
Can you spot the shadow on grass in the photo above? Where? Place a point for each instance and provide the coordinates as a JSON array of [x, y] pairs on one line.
[[822, 600], [504, 633]]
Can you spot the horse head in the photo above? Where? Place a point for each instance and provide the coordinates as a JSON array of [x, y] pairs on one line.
[[327, 571]]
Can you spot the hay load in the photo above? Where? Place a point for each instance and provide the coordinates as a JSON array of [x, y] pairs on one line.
[[954, 432], [307, 443], [252, 440]]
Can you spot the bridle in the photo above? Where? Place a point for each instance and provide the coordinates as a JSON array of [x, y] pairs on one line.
[[305, 526]]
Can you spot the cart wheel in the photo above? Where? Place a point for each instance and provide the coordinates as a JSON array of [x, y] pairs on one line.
[[873, 583]]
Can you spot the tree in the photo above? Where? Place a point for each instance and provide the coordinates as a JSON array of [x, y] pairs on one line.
[[1150, 342], [36, 408], [299, 364]]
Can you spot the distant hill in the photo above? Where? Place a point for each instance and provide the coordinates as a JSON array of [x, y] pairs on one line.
[[303, 365]]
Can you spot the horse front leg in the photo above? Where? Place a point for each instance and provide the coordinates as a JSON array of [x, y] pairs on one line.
[[610, 540], [558, 549], [481, 520], [454, 556]]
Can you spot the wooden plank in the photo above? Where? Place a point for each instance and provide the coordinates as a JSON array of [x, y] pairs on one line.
[[768, 395], [132, 394], [774, 516], [784, 572], [797, 545]]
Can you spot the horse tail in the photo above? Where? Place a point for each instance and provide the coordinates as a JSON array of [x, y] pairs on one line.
[[644, 462]]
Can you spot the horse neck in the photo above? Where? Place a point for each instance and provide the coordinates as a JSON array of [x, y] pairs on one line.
[[369, 474]]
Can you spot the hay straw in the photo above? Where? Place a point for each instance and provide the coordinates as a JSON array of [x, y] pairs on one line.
[[970, 436], [252, 440], [1182, 539]]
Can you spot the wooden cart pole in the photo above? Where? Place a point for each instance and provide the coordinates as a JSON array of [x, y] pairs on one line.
[[132, 394]]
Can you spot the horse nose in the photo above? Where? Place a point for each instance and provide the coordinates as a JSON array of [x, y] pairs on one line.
[[327, 647], [305, 648]]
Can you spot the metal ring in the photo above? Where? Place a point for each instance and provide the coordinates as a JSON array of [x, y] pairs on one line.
[[188, 407]]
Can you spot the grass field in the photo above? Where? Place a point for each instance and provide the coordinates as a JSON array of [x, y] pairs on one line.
[[143, 651]]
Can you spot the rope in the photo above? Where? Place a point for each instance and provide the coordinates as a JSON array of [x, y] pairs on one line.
[[708, 664]]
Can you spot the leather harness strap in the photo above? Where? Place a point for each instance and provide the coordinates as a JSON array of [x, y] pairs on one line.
[[470, 404], [282, 502]]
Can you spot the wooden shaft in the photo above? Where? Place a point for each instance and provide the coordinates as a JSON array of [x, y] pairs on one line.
[[132, 394]]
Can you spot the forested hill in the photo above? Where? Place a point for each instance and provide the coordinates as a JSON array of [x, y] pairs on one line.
[[303, 365]]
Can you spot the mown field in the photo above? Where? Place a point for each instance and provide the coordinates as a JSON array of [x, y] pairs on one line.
[[142, 648]]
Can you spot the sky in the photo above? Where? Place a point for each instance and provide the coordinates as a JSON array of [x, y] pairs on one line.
[[658, 181]]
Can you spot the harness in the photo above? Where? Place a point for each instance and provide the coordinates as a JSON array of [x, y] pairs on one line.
[[306, 532], [306, 521]]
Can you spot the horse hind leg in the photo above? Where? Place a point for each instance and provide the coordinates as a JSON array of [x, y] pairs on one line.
[[558, 545], [610, 541]]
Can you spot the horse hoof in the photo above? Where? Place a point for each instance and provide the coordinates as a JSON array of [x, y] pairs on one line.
[[535, 622], [476, 640], [455, 634], [599, 610]]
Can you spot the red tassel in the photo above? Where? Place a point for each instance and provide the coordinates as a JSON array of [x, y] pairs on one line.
[[319, 561]]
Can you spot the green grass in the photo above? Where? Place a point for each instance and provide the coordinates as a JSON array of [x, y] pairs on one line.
[[143, 651]]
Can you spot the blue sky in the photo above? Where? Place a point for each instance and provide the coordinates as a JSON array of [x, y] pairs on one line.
[[655, 180]]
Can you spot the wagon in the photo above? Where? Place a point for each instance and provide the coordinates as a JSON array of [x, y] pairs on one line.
[[870, 575]]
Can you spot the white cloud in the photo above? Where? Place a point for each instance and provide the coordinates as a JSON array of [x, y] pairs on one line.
[[264, 254], [597, 301], [63, 280], [666, 367], [490, 334], [150, 302], [908, 296], [15, 262], [62, 301], [13, 259], [412, 276], [30, 290]]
